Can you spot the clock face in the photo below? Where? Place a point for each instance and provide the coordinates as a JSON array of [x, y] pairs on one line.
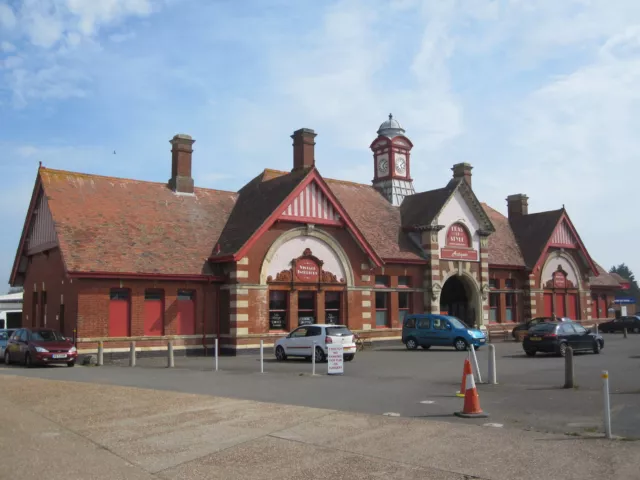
[[383, 165], [401, 165]]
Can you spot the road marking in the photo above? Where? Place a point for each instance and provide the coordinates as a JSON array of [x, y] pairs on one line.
[[391, 414], [428, 402], [494, 425]]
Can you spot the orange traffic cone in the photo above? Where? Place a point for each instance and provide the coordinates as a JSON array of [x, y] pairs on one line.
[[471, 407], [462, 390]]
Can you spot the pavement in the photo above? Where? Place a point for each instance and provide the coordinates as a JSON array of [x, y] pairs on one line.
[[391, 379], [78, 430]]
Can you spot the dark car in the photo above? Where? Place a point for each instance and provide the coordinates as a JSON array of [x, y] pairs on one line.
[[535, 321], [555, 337], [40, 346], [631, 323]]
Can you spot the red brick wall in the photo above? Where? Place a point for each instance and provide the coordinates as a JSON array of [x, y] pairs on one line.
[[45, 272]]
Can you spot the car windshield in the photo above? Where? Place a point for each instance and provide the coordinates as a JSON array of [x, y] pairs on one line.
[[4, 335], [338, 331], [543, 327], [46, 336], [456, 322]]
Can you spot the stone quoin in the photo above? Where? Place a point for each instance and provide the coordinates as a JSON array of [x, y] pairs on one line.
[[115, 260]]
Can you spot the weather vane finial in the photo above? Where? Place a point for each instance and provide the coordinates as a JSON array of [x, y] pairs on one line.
[[390, 117]]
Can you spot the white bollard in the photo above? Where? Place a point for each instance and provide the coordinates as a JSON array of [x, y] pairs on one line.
[[170, 362], [475, 363], [100, 353], [313, 359], [261, 356], [132, 354], [493, 377], [607, 406], [216, 353]]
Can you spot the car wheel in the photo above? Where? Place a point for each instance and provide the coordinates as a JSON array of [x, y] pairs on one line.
[[596, 347], [460, 344], [320, 356], [411, 344], [530, 353], [71, 364], [426, 347], [562, 350], [636, 330], [348, 358], [7, 357], [281, 356], [27, 361]]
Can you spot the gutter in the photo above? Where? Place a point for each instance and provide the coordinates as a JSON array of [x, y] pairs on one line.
[[146, 276]]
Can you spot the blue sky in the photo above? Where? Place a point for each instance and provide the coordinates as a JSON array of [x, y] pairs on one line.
[[540, 97]]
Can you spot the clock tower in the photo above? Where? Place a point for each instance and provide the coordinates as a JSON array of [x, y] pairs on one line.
[[391, 160]]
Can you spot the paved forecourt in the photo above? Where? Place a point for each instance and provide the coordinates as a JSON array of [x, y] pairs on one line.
[[418, 383]]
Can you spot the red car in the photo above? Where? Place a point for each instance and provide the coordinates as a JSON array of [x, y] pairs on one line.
[[40, 346]]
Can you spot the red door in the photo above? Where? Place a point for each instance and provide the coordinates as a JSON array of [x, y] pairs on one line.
[[153, 313], [560, 308], [548, 304], [186, 318], [572, 306], [119, 313]]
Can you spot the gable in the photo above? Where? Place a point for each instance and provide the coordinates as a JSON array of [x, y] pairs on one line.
[[563, 236], [457, 216], [311, 205], [42, 232]]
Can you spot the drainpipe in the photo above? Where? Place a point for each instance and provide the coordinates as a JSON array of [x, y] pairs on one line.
[[204, 322]]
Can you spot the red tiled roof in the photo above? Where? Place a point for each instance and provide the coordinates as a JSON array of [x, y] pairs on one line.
[[604, 279], [420, 209], [503, 247], [533, 231], [107, 224]]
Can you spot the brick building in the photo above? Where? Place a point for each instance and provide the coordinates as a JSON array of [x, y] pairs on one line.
[[117, 259]]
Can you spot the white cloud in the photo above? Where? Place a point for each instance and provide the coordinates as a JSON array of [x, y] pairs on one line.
[[7, 17], [27, 150], [7, 47], [122, 37]]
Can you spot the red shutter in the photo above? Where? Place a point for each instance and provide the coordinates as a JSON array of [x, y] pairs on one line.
[[572, 306], [186, 319], [560, 309], [153, 313], [548, 304], [119, 313]]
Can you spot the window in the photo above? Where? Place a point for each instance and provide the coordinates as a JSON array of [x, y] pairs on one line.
[[338, 332], [510, 306], [277, 310], [580, 330], [46, 336], [314, 332], [424, 323], [3, 336], [493, 283], [410, 323], [509, 284], [494, 304], [439, 324], [61, 318], [34, 309], [306, 308], [382, 309], [382, 281], [404, 281], [300, 332], [404, 305], [567, 329], [332, 307]]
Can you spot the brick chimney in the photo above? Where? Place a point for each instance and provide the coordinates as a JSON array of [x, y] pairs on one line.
[[303, 148], [462, 171], [518, 205], [181, 152]]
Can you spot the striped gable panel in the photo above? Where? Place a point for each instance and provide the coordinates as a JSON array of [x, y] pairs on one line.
[[311, 205], [563, 236]]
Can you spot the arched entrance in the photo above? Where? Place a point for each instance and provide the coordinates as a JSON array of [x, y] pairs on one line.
[[459, 299]]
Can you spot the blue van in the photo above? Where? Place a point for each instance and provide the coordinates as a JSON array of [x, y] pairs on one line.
[[441, 331]]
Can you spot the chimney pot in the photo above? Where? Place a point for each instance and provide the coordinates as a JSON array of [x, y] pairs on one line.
[[517, 205], [181, 180], [303, 148], [462, 171]]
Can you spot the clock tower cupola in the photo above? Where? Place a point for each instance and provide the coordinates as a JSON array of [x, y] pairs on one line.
[[391, 161]]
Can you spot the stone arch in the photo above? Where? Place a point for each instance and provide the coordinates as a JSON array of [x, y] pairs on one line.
[[308, 232], [556, 256], [473, 292]]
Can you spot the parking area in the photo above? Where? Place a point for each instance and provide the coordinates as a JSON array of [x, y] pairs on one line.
[[419, 384]]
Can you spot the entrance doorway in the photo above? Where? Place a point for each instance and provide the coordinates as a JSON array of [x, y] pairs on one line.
[[457, 300]]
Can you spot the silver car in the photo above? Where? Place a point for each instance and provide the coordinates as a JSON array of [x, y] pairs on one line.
[[4, 338]]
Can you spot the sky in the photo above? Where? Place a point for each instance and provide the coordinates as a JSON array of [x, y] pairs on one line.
[[541, 97]]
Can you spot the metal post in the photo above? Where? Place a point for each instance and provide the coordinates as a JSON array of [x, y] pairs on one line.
[[625, 333], [475, 363], [492, 365], [216, 354], [569, 373], [261, 356], [313, 359], [170, 353], [132, 354], [607, 406], [100, 353], [596, 329]]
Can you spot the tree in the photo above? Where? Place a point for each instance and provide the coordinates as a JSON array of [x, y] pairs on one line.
[[625, 272]]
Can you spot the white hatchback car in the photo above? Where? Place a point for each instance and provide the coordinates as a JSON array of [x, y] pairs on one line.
[[299, 343]]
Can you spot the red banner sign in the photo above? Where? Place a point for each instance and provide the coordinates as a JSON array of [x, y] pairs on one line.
[[307, 270], [458, 254], [559, 280], [458, 236]]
